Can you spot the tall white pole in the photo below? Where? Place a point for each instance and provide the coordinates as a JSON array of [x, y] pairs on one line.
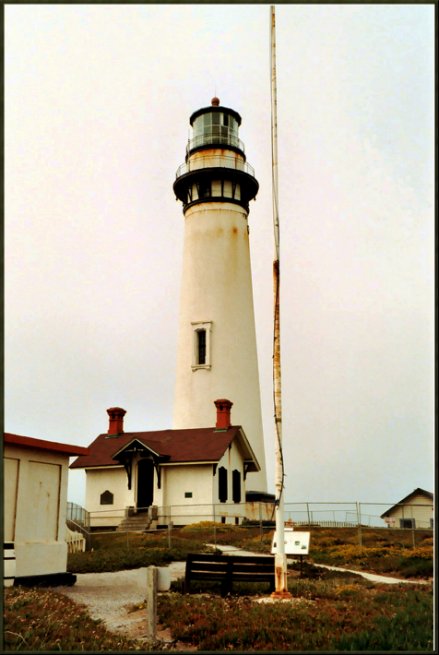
[[280, 557]]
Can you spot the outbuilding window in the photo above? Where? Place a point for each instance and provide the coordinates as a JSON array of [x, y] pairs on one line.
[[407, 523]]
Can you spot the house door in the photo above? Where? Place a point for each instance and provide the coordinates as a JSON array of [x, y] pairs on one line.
[[145, 483]]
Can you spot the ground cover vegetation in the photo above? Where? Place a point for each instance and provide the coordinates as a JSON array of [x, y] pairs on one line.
[[384, 551], [330, 610], [38, 619]]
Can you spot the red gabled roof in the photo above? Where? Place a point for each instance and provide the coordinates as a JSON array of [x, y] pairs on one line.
[[177, 446], [42, 444]]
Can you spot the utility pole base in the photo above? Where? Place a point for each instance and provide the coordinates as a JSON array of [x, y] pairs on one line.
[[281, 595]]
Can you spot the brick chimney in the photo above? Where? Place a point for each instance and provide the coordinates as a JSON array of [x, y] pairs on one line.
[[116, 415], [223, 407]]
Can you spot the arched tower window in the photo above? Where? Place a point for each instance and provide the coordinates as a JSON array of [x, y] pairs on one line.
[[107, 498], [202, 347]]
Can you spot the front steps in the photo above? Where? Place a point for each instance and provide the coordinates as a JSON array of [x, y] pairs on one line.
[[136, 523]]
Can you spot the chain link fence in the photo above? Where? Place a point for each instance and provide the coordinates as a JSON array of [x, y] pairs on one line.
[[257, 517]]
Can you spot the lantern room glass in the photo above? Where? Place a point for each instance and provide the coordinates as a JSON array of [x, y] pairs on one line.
[[215, 127]]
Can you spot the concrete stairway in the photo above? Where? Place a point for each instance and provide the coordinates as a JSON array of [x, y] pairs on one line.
[[135, 523]]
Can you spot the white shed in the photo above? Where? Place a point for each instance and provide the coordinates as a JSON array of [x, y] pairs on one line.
[[413, 511], [35, 501]]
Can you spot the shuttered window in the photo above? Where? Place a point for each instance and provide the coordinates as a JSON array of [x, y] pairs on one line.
[[222, 484], [236, 486]]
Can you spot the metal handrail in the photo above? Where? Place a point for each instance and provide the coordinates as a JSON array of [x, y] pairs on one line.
[[215, 161]]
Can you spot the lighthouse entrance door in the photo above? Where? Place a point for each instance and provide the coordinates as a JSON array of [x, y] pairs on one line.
[[145, 484]]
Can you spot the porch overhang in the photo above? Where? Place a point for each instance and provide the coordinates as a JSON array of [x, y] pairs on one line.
[[136, 448]]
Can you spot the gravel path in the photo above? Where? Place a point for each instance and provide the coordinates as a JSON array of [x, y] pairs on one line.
[[110, 597]]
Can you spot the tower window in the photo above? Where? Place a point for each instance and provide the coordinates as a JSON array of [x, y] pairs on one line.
[[201, 335], [204, 190], [202, 346]]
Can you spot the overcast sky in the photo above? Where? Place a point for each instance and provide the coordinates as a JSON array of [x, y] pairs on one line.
[[97, 106]]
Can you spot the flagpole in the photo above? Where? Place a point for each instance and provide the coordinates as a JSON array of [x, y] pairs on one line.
[[281, 587]]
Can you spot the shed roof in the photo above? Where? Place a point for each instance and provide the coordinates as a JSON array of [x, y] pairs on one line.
[[43, 444], [175, 446], [407, 499]]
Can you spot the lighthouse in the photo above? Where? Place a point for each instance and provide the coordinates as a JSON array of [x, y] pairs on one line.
[[216, 352]]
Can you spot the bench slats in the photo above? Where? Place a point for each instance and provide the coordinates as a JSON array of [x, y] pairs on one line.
[[229, 568]]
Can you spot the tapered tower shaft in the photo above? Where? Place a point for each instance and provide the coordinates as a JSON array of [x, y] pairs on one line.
[[217, 356]]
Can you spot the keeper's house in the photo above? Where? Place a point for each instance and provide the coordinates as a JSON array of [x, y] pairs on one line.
[[413, 511], [137, 480], [35, 501]]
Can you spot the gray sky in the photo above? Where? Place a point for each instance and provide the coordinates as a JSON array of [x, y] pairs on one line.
[[97, 106]]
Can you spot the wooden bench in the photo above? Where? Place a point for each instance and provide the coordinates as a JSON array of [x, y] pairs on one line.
[[228, 569]]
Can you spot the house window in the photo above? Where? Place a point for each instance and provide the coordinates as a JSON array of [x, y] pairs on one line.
[[236, 486], [107, 498], [188, 494], [407, 523], [222, 484], [201, 345]]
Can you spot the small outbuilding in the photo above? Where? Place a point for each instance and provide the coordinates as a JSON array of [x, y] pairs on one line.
[[167, 476], [35, 502], [413, 511]]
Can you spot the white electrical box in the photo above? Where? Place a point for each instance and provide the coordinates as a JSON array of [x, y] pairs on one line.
[[296, 543]]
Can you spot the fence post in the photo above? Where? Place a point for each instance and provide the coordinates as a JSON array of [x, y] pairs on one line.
[[413, 529], [261, 532], [151, 601], [169, 533], [360, 536], [309, 518]]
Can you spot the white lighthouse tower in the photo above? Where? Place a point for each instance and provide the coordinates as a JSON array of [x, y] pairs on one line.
[[217, 355]]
